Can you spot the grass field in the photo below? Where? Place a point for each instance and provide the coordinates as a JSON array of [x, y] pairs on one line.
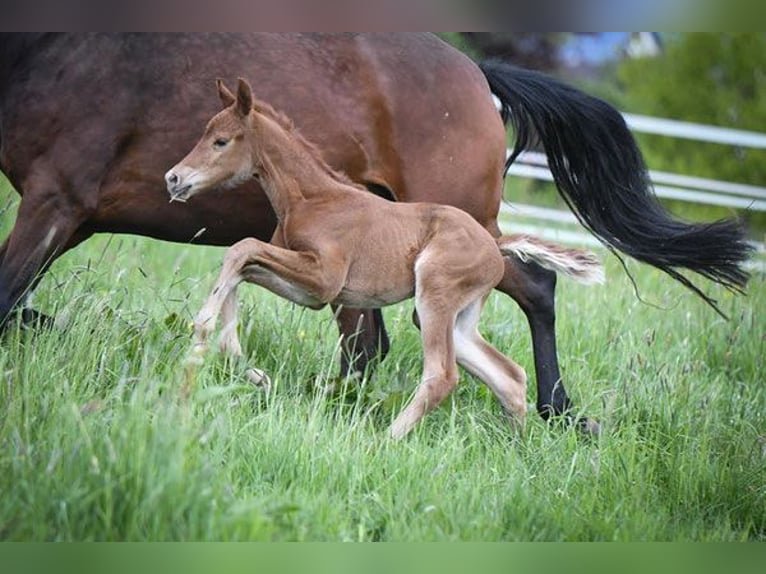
[[99, 443]]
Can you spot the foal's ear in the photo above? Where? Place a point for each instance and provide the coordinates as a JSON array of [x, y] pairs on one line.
[[227, 98], [244, 97]]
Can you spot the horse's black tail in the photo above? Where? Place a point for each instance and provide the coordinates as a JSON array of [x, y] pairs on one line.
[[600, 173]]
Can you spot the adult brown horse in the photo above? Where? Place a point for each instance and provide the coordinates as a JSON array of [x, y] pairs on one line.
[[90, 123]]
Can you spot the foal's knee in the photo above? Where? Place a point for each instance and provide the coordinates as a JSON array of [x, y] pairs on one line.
[[230, 345], [237, 255]]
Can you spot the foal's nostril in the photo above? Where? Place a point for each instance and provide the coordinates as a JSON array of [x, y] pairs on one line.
[[171, 178]]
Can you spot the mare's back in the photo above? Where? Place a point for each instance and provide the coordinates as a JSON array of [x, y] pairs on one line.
[[108, 114]]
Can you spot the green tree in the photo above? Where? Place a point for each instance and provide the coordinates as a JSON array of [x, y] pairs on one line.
[[717, 79]]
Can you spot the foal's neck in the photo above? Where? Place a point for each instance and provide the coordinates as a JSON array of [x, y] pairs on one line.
[[291, 169]]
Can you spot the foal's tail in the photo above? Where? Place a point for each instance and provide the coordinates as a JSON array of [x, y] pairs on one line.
[[600, 173], [579, 264]]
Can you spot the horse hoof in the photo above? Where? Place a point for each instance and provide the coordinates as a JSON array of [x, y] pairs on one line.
[[31, 319], [589, 427], [259, 378]]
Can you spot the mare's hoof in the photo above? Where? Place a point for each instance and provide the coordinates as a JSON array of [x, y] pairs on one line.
[[32, 319], [589, 427]]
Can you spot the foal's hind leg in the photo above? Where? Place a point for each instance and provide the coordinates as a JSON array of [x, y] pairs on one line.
[[506, 379], [439, 367]]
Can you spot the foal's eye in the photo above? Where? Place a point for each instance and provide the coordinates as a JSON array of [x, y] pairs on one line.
[[220, 142]]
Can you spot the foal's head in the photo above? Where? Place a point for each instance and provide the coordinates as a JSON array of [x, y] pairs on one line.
[[223, 156]]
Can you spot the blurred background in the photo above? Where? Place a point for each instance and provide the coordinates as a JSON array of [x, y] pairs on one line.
[[708, 81]]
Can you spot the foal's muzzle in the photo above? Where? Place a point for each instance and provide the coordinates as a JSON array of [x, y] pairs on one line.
[[178, 190]]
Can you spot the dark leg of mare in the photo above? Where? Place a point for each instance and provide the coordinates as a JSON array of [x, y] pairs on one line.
[[365, 341], [45, 227], [533, 288], [31, 317], [28, 315]]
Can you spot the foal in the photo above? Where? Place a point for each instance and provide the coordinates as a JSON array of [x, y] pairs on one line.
[[337, 243]]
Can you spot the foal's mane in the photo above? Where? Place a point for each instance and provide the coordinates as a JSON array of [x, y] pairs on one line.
[[288, 125]]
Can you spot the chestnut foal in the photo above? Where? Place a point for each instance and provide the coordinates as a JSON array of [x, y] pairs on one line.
[[337, 243]]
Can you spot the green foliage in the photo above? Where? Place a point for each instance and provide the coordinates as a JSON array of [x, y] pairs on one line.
[[702, 77], [716, 79], [100, 441]]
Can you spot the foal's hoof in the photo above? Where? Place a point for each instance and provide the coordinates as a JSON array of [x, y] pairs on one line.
[[259, 378], [197, 354]]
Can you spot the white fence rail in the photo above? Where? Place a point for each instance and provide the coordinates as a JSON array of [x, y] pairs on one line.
[[697, 132], [673, 186], [666, 185]]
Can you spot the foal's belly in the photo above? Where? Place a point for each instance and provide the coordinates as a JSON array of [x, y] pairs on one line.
[[372, 289], [349, 297]]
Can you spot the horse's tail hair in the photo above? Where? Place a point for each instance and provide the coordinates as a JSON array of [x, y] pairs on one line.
[[600, 172], [581, 265]]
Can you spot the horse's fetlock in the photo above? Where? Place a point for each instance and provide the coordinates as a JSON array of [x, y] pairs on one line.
[[230, 346], [202, 325], [198, 350]]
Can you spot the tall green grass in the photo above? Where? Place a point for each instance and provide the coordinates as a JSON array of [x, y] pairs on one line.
[[98, 441]]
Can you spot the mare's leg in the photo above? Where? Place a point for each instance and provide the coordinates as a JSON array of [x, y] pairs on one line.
[[46, 225], [364, 338], [23, 309], [533, 288], [506, 379]]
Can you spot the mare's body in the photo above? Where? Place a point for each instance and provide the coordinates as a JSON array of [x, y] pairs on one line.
[[90, 122]]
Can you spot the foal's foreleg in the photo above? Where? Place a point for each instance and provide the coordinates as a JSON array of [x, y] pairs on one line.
[[222, 299], [300, 277], [229, 341]]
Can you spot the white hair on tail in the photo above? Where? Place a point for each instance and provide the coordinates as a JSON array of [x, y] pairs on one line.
[[581, 265]]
